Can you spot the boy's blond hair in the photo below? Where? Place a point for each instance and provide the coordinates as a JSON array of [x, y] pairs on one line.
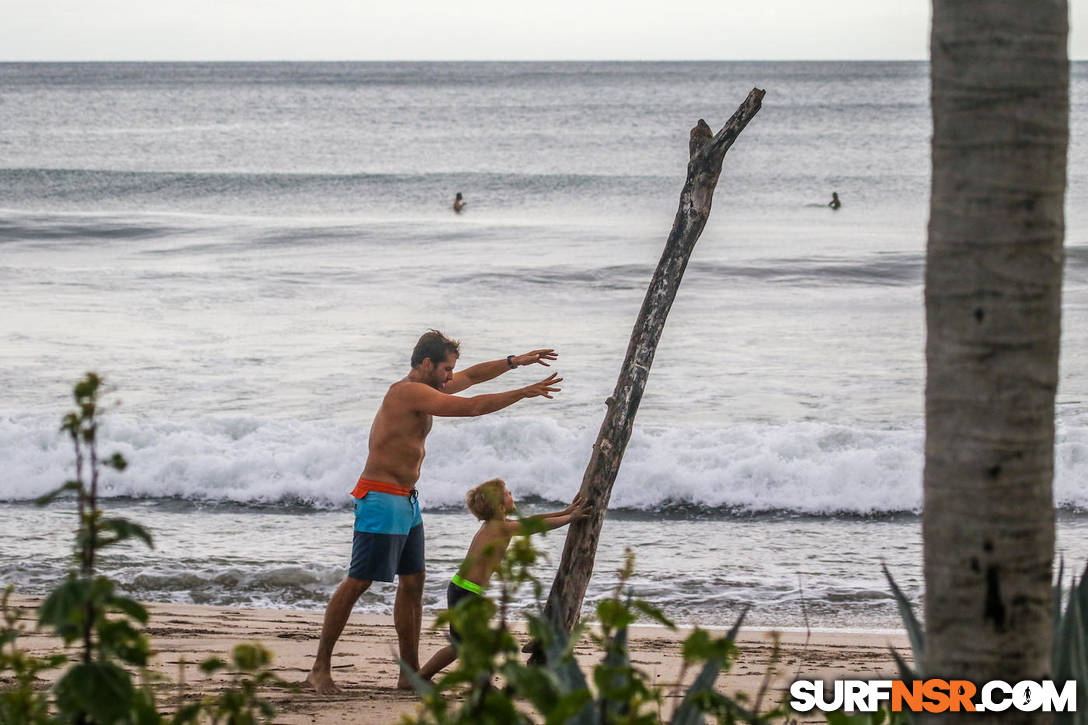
[[486, 500]]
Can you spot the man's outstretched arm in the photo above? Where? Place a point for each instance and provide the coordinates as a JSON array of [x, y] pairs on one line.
[[484, 371], [425, 399]]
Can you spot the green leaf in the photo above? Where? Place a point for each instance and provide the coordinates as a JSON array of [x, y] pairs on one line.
[[535, 684], [70, 424], [862, 718], [53, 495], [250, 657], [122, 530], [691, 710], [188, 714], [420, 685], [699, 646], [574, 707], [118, 638], [906, 613], [452, 679], [65, 608], [616, 654], [614, 614], [116, 461], [1056, 607], [837, 718], [101, 689], [130, 607], [144, 711], [906, 672], [212, 665], [731, 635], [1069, 659], [87, 387], [558, 655], [653, 613]]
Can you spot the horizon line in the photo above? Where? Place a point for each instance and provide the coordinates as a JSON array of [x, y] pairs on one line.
[[7, 61], [468, 60]]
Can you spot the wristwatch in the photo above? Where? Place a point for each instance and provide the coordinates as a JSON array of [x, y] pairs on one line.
[[510, 362]]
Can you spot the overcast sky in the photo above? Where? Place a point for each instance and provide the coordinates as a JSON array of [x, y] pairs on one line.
[[473, 29]]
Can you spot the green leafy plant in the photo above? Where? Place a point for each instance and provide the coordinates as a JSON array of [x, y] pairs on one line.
[[883, 716], [20, 701], [1069, 653], [489, 683], [240, 703], [915, 633], [86, 608], [1070, 650]]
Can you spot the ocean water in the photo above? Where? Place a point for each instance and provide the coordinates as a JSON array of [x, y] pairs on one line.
[[248, 253]]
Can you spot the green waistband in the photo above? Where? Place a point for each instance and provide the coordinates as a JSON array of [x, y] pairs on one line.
[[467, 585]]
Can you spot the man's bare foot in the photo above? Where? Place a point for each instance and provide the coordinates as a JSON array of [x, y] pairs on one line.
[[321, 681], [403, 683]]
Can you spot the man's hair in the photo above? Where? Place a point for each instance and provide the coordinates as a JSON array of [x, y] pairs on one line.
[[434, 346], [485, 501]]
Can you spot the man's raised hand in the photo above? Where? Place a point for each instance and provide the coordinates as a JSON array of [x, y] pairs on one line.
[[536, 356], [544, 388]]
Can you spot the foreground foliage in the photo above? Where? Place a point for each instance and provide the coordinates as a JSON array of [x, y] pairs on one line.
[[86, 609], [489, 684], [1069, 653]]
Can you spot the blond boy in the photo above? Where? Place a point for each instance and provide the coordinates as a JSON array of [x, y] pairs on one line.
[[490, 502]]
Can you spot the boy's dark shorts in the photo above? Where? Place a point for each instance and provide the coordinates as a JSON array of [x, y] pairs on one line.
[[455, 594]]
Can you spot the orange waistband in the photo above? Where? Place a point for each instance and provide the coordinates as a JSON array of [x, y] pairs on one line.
[[365, 485]]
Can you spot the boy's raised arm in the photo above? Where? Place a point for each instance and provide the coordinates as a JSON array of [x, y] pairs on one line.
[[578, 502], [578, 509]]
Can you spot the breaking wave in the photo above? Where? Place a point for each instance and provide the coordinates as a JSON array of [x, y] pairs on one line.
[[808, 468]]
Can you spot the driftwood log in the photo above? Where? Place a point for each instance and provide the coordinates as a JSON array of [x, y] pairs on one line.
[[706, 153]]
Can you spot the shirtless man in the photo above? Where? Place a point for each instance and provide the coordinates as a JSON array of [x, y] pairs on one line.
[[388, 535]]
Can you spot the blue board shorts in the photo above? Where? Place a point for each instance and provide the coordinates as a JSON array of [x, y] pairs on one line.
[[388, 537]]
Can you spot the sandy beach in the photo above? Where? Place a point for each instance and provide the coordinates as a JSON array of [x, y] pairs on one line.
[[183, 635]]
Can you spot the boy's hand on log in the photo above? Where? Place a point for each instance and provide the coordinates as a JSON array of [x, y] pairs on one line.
[[581, 508], [536, 356], [544, 388], [579, 500]]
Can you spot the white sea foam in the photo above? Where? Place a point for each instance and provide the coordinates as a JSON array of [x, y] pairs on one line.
[[810, 468], [244, 460]]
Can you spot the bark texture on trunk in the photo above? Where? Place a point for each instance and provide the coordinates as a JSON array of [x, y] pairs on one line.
[[1000, 101], [706, 153]]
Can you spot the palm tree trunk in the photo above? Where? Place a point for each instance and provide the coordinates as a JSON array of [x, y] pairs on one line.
[[1000, 98]]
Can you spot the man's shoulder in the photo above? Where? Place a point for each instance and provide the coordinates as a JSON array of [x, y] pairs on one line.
[[403, 396], [405, 386]]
